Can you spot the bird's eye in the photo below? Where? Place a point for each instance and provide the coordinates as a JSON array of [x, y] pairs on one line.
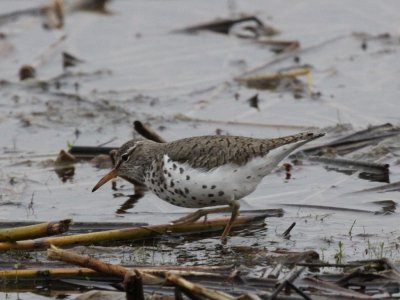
[[124, 157]]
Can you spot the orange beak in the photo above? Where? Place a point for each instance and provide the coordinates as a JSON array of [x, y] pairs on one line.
[[105, 179]]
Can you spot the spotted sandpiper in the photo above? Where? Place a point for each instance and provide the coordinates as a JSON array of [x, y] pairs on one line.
[[203, 171]]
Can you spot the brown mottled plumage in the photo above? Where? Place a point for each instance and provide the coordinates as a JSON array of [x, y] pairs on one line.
[[208, 152]]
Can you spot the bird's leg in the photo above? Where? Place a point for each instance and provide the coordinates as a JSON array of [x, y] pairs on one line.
[[234, 206], [205, 218], [190, 218]]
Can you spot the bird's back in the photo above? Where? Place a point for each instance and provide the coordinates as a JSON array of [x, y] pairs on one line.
[[208, 152]]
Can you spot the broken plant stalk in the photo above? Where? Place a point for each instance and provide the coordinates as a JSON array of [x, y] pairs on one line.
[[197, 289], [34, 231], [214, 272], [38, 274], [270, 80], [134, 233], [97, 265]]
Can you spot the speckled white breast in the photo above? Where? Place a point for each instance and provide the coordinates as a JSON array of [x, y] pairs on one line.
[[181, 185]]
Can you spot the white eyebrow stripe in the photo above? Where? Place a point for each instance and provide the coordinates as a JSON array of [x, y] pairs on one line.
[[130, 150]]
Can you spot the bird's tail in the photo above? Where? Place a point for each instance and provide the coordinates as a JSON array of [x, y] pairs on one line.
[[303, 137], [279, 150]]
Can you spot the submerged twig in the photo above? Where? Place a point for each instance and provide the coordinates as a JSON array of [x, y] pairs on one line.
[[28, 71], [353, 164], [291, 277], [224, 26], [333, 288], [271, 81], [97, 265], [287, 231], [89, 151], [206, 272], [297, 290], [147, 132], [86, 152], [289, 54], [331, 208], [69, 60], [274, 273], [370, 136], [143, 232], [133, 284], [182, 117], [37, 274], [197, 289], [391, 187], [351, 228]]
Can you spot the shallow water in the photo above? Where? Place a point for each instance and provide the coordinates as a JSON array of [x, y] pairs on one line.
[[137, 68]]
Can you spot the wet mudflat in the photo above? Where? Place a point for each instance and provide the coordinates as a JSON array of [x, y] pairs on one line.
[[136, 63]]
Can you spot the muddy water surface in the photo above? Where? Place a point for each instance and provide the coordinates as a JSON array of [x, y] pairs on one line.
[[137, 68]]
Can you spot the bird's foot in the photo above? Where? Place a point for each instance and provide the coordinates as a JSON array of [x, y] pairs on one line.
[[190, 218], [193, 217]]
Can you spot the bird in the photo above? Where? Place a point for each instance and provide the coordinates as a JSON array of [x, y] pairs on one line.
[[203, 171]]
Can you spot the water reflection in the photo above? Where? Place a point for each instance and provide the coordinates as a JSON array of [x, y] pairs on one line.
[[129, 203], [65, 173]]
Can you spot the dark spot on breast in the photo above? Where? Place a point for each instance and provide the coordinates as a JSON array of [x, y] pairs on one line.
[[169, 174], [152, 181], [204, 186], [194, 198], [169, 160], [213, 187], [186, 190], [187, 177], [176, 191], [174, 166], [234, 171], [153, 174], [213, 201], [172, 183], [161, 190], [165, 171], [221, 193], [210, 195], [165, 186], [248, 177], [181, 170]]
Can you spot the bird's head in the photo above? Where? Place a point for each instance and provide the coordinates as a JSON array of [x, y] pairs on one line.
[[131, 161]]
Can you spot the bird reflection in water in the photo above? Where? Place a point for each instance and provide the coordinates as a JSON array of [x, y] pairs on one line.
[[132, 199]]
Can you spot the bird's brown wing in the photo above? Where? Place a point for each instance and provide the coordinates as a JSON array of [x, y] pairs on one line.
[[208, 152]]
